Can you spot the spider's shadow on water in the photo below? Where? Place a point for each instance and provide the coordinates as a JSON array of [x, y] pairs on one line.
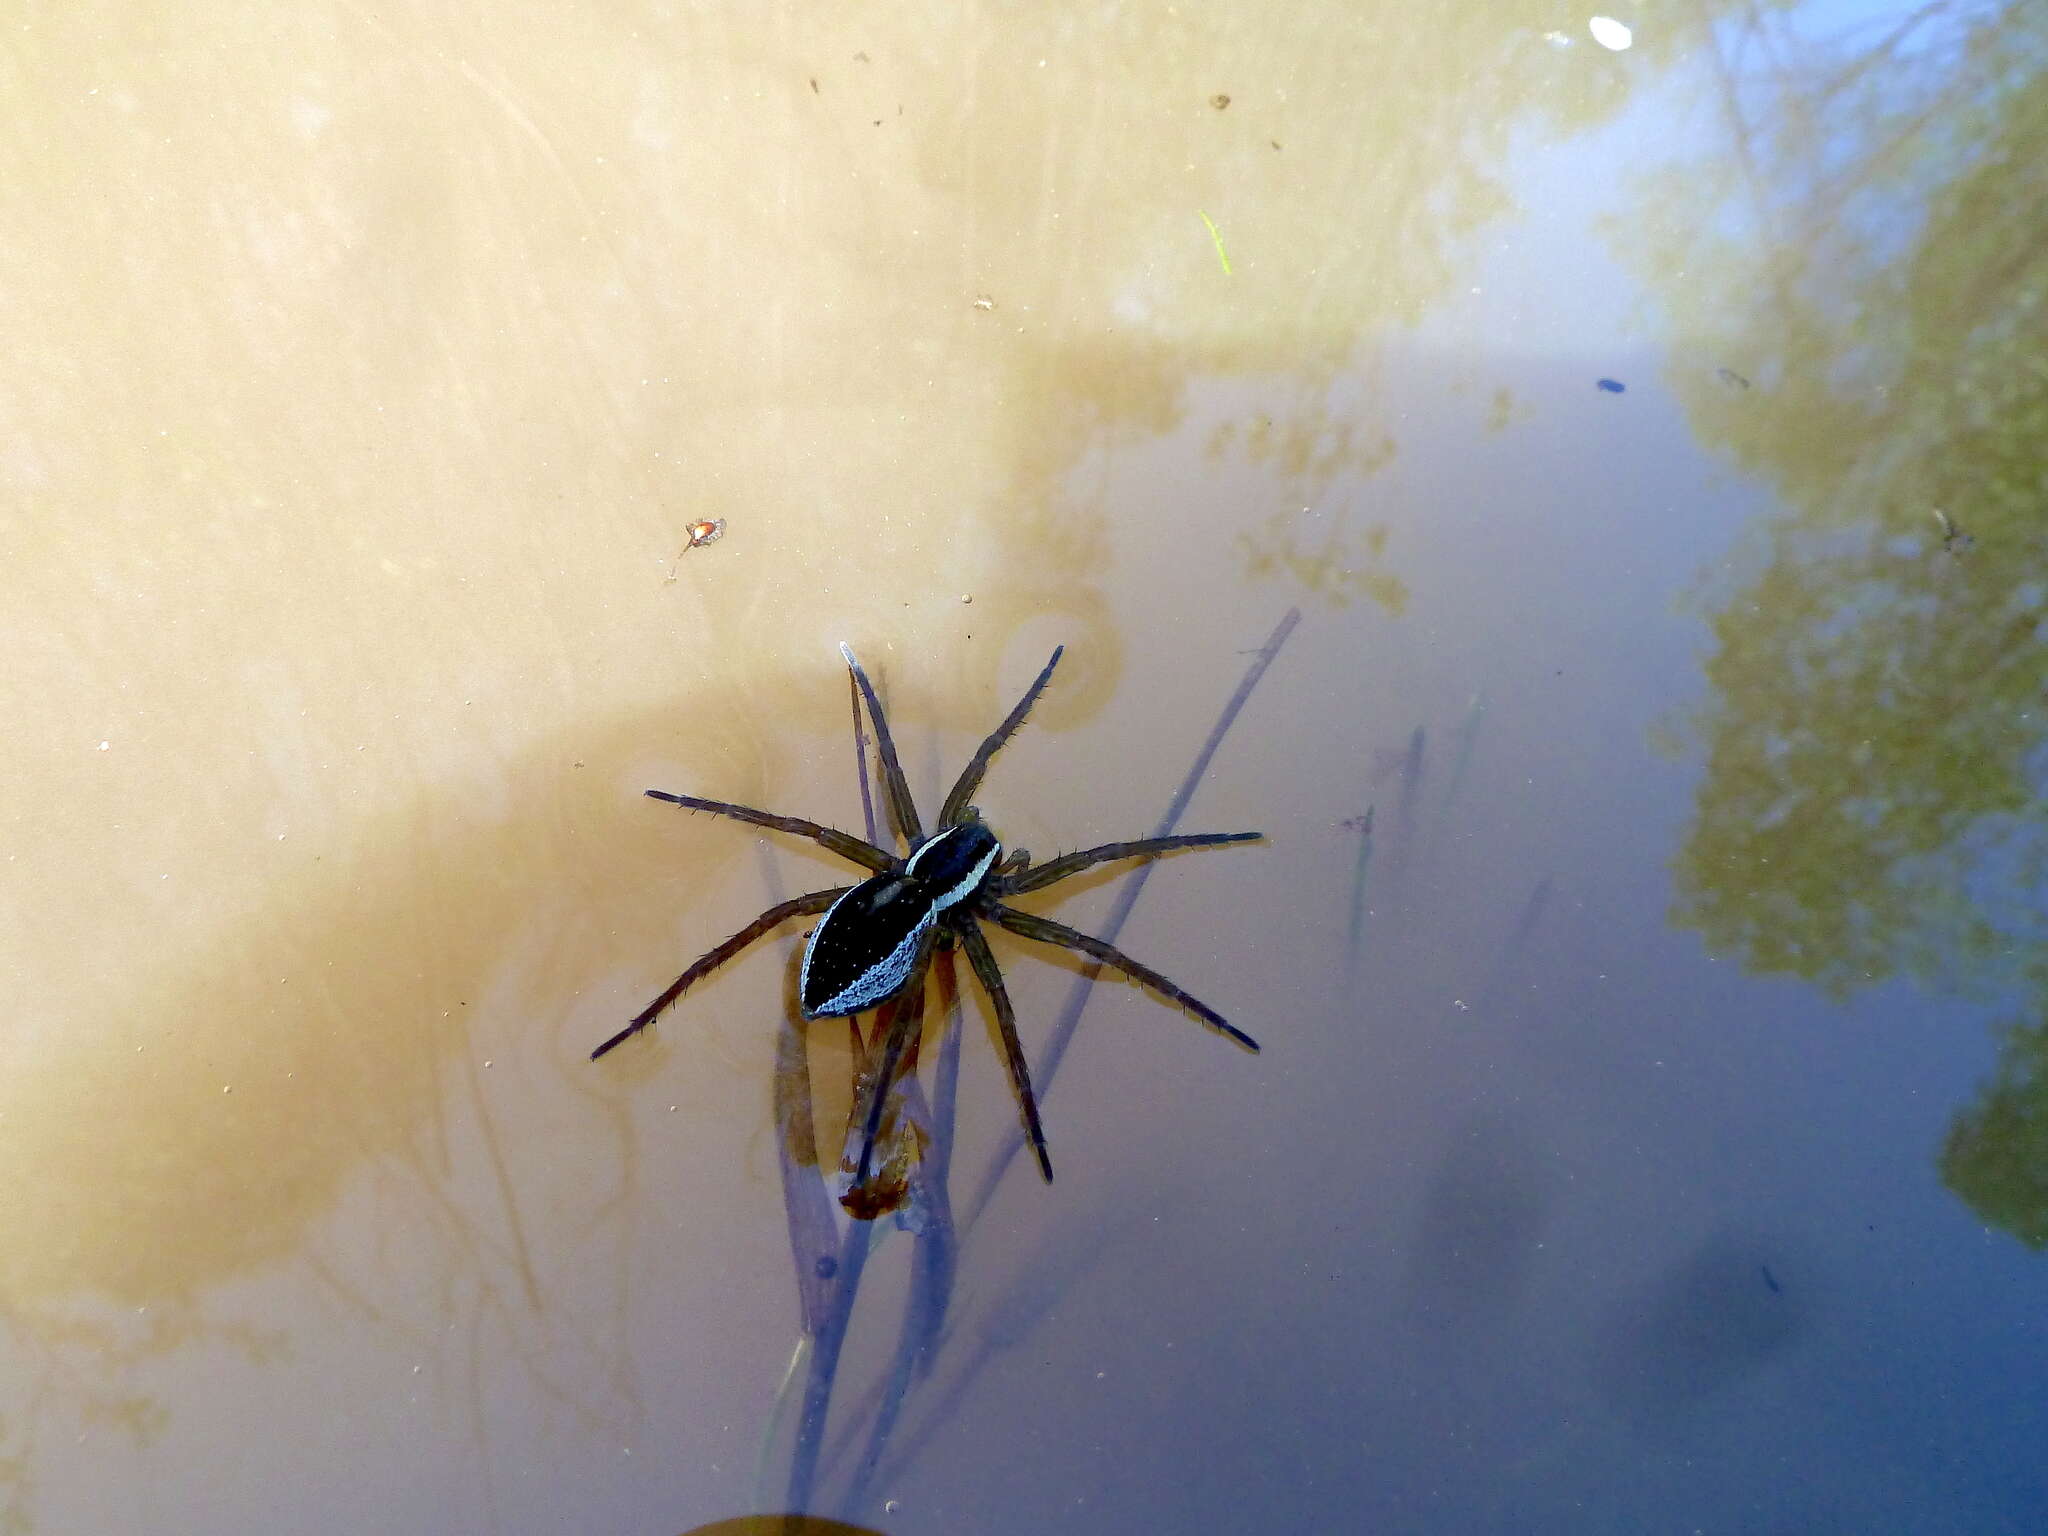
[[829, 1252]]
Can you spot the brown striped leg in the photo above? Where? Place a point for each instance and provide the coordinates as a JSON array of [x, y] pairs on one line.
[[1046, 931], [895, 787], [983, 960], [970, 776], [1073, 863], [845, 844], [908, 1022], [800, 906]]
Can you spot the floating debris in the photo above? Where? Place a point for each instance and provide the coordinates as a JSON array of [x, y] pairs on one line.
[[1610, 34], [1219, 101], [1731, 378], [699, 534], [1611, 386], [1362, 825], [984, 302], [1953, 539], [1217, 236], [1771, 1280]]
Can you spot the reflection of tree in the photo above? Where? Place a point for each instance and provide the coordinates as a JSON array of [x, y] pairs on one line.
[[1318, 545], [1352, 165], [1867, 808], [1997, 1152], [1874, 731]]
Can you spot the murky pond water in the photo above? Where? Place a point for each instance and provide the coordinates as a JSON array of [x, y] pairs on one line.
[[1593, 468]]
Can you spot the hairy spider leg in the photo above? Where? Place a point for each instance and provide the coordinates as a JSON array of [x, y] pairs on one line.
[[854, 849], [983, 959], [970, 776], [1055, 870], [800, 906], [860, 758], [1046, 931], [897, 788], [907, 1024]]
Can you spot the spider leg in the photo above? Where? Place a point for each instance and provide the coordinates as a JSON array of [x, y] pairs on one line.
[[845, 844], [817, 901], [983, 959], [901, 807], [903, 1028], [1054, 870], [1046, 931], [970, 776]]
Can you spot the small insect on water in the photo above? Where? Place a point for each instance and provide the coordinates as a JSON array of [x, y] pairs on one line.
[[877, 937], [699, 534]]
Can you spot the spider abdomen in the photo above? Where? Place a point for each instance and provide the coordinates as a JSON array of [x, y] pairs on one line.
[[863, 949]]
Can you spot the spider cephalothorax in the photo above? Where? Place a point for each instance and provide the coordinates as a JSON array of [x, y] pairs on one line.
[[877, 937]]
